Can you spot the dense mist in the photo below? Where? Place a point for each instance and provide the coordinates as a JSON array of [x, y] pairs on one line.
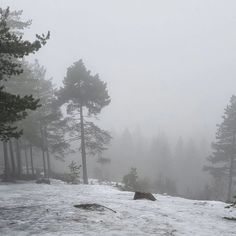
[[169, 67]]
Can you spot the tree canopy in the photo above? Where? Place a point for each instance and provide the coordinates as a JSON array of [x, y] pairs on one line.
[[12, 48], [223, 158], [83, 90]]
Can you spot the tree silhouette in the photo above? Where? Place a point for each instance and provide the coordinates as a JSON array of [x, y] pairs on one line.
[[81, 91]]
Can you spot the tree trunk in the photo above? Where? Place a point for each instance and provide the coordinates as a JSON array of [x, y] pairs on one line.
[[31, 159], [43, 152], [26, 160], [6, 162], [44, 163], [12, 158], [231, 167], [18, 155], [83, 152], [47, 153]]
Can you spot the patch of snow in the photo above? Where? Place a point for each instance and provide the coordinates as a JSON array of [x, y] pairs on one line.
[[40, 209]]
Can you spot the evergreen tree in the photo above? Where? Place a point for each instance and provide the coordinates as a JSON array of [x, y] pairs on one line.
[[48, 132], [130, 180], [44, 128], [74, 172], [13, 48], [223, 158], [83, 91], [15, 23]]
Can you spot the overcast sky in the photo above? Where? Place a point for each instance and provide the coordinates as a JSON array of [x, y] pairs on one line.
[[169, 65]]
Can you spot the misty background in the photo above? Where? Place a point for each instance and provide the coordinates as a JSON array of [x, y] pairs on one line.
[[169, 68]]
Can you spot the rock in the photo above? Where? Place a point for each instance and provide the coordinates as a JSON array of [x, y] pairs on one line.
[[42, 181], [229, 218], [93, 207], [140, 195]]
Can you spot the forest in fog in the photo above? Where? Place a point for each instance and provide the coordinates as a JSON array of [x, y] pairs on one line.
[[158, 119]]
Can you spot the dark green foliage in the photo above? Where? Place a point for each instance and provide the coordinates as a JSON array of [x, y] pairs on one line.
[[81, 91], [223, 158], [130, 180], [13, 108], [82, 88], [45, 127], [74, 171], [12, 48]]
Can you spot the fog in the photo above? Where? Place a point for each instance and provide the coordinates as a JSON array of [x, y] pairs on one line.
[[169, 65]]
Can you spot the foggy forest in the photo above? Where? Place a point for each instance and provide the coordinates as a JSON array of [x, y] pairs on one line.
[[107, 102]]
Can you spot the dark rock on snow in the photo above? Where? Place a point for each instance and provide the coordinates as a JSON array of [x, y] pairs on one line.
[[140, 195]]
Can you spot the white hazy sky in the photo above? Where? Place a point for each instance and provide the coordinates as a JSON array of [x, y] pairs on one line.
[[169, 65]]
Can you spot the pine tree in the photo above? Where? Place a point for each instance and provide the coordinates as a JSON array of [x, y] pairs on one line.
[[74, 172], [130, 180], [43, 128], [81, 91], [13, 47], [47, 121], [223, 158]]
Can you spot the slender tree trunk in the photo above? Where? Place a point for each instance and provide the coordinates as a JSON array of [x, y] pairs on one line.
[[31, 159], [26, 160], [230, 180], [12, 158], [43, 151], [47, 153], [83, 152], [48, 163], [231, 168], [18, 155], [44, 163], [6, 162]]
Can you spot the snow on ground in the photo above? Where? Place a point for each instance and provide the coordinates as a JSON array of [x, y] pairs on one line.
[[33, 209]]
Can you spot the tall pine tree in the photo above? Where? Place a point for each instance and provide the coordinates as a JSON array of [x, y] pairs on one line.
[[223, 158], [82, 91]]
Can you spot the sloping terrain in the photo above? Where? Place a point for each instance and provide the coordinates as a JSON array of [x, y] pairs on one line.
[[33, 209]]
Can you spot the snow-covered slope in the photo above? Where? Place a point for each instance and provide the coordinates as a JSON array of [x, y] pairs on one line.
[[32, 209]]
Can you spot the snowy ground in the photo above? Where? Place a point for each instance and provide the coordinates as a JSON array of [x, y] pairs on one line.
[[33, 209]]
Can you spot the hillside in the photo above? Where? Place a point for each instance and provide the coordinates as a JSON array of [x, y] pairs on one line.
[[32, 209]]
